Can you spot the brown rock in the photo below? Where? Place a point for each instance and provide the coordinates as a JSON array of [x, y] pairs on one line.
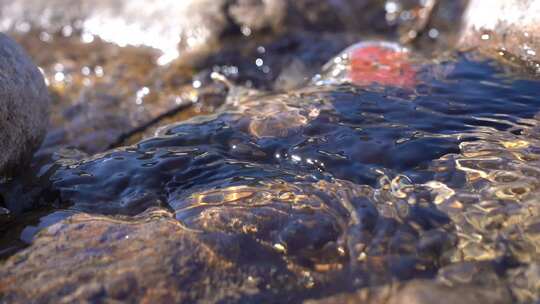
[[422, 292], [149, 259]]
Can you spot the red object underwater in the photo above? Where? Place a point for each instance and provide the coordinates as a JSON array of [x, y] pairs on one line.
[[380, 63]]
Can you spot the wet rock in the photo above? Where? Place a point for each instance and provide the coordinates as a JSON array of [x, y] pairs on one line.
[[525, 282], [507, 29], [190, 23], [431, 26], [280, 63], [456, 283], [147, 259], [269, 242], [163, 25], [286, 16], [423, 291], [331, 166], [169, 26], [306, 29], [203, 27], [322, 226], [409, 18], [295, 131], [498, 198], [386, 176], [102, 92], [469, 273], [23, 106]]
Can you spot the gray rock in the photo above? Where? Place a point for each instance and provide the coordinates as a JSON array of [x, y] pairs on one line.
[[23, 106], [506, 26]]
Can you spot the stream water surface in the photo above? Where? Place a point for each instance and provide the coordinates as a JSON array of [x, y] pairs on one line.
[[338, 185]]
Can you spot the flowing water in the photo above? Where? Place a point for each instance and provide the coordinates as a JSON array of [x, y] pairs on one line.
[[407, 169], [339, 186]]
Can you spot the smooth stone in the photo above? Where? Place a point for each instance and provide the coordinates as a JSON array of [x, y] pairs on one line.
[[23, 106]]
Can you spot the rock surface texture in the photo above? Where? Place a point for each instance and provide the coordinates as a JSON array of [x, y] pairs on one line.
[[23, 105], [511, 27], [196, 26], [163, 25], [249, 174]]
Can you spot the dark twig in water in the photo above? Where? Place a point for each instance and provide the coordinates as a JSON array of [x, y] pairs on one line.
[[424, 17], [124, 137]]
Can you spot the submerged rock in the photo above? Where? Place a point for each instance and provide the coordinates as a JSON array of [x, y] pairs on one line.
[[24, 105], [336, 187], [102, 91], [148, 259], [377, 183], [271, 242], [169, 26], [423, 292]]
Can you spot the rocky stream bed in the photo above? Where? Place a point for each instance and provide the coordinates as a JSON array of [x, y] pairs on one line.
[[238, 151]]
